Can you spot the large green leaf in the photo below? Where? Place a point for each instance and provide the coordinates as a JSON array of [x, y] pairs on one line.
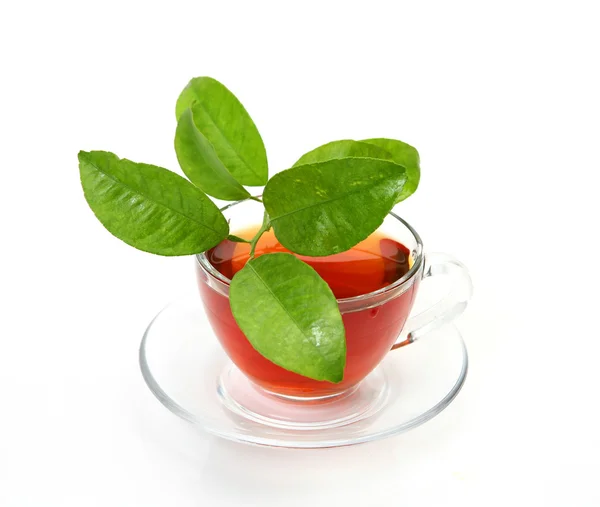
[[405, 155], [290, 316], [226, 124], [328, 207], [200, 163], [149, 207], [342, 149]]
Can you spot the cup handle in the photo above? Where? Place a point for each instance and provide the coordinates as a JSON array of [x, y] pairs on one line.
[[449, 307]]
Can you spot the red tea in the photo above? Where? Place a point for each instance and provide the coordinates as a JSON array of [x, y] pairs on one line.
[[371, 265]]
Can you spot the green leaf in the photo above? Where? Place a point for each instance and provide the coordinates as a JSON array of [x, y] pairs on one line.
[[386, 149], [328, 207], [342, 149], [290, 316], [222, 119], [405, 155], [200, 163], [148, 207]]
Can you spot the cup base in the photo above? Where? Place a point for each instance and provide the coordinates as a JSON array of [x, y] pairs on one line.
[[245, 399]]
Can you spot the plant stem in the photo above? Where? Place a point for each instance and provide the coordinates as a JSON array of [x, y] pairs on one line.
[[237, 239], [266, 225], [257, 199]]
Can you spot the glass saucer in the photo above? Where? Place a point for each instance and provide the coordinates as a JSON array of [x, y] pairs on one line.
[[185, 368]]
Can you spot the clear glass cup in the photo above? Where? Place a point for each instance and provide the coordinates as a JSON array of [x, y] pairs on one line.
[[375, 323]]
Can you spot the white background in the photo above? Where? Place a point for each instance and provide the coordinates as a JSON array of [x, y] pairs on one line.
[[502, 101]]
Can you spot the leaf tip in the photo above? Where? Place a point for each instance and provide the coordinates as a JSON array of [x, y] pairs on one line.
[[335, 376]]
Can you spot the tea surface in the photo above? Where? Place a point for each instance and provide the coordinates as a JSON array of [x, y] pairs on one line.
[[373, 264]]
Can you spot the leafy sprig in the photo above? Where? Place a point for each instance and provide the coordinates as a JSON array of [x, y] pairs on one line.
[[332, 198]]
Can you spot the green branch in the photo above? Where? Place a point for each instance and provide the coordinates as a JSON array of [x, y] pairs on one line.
[[266, 225]]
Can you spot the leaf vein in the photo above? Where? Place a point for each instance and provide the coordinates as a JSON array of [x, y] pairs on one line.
[[151, 199], [292, 318], [235, 152], [337, 198]]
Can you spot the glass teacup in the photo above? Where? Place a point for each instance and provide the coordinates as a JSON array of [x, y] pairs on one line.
[[375, 323]]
